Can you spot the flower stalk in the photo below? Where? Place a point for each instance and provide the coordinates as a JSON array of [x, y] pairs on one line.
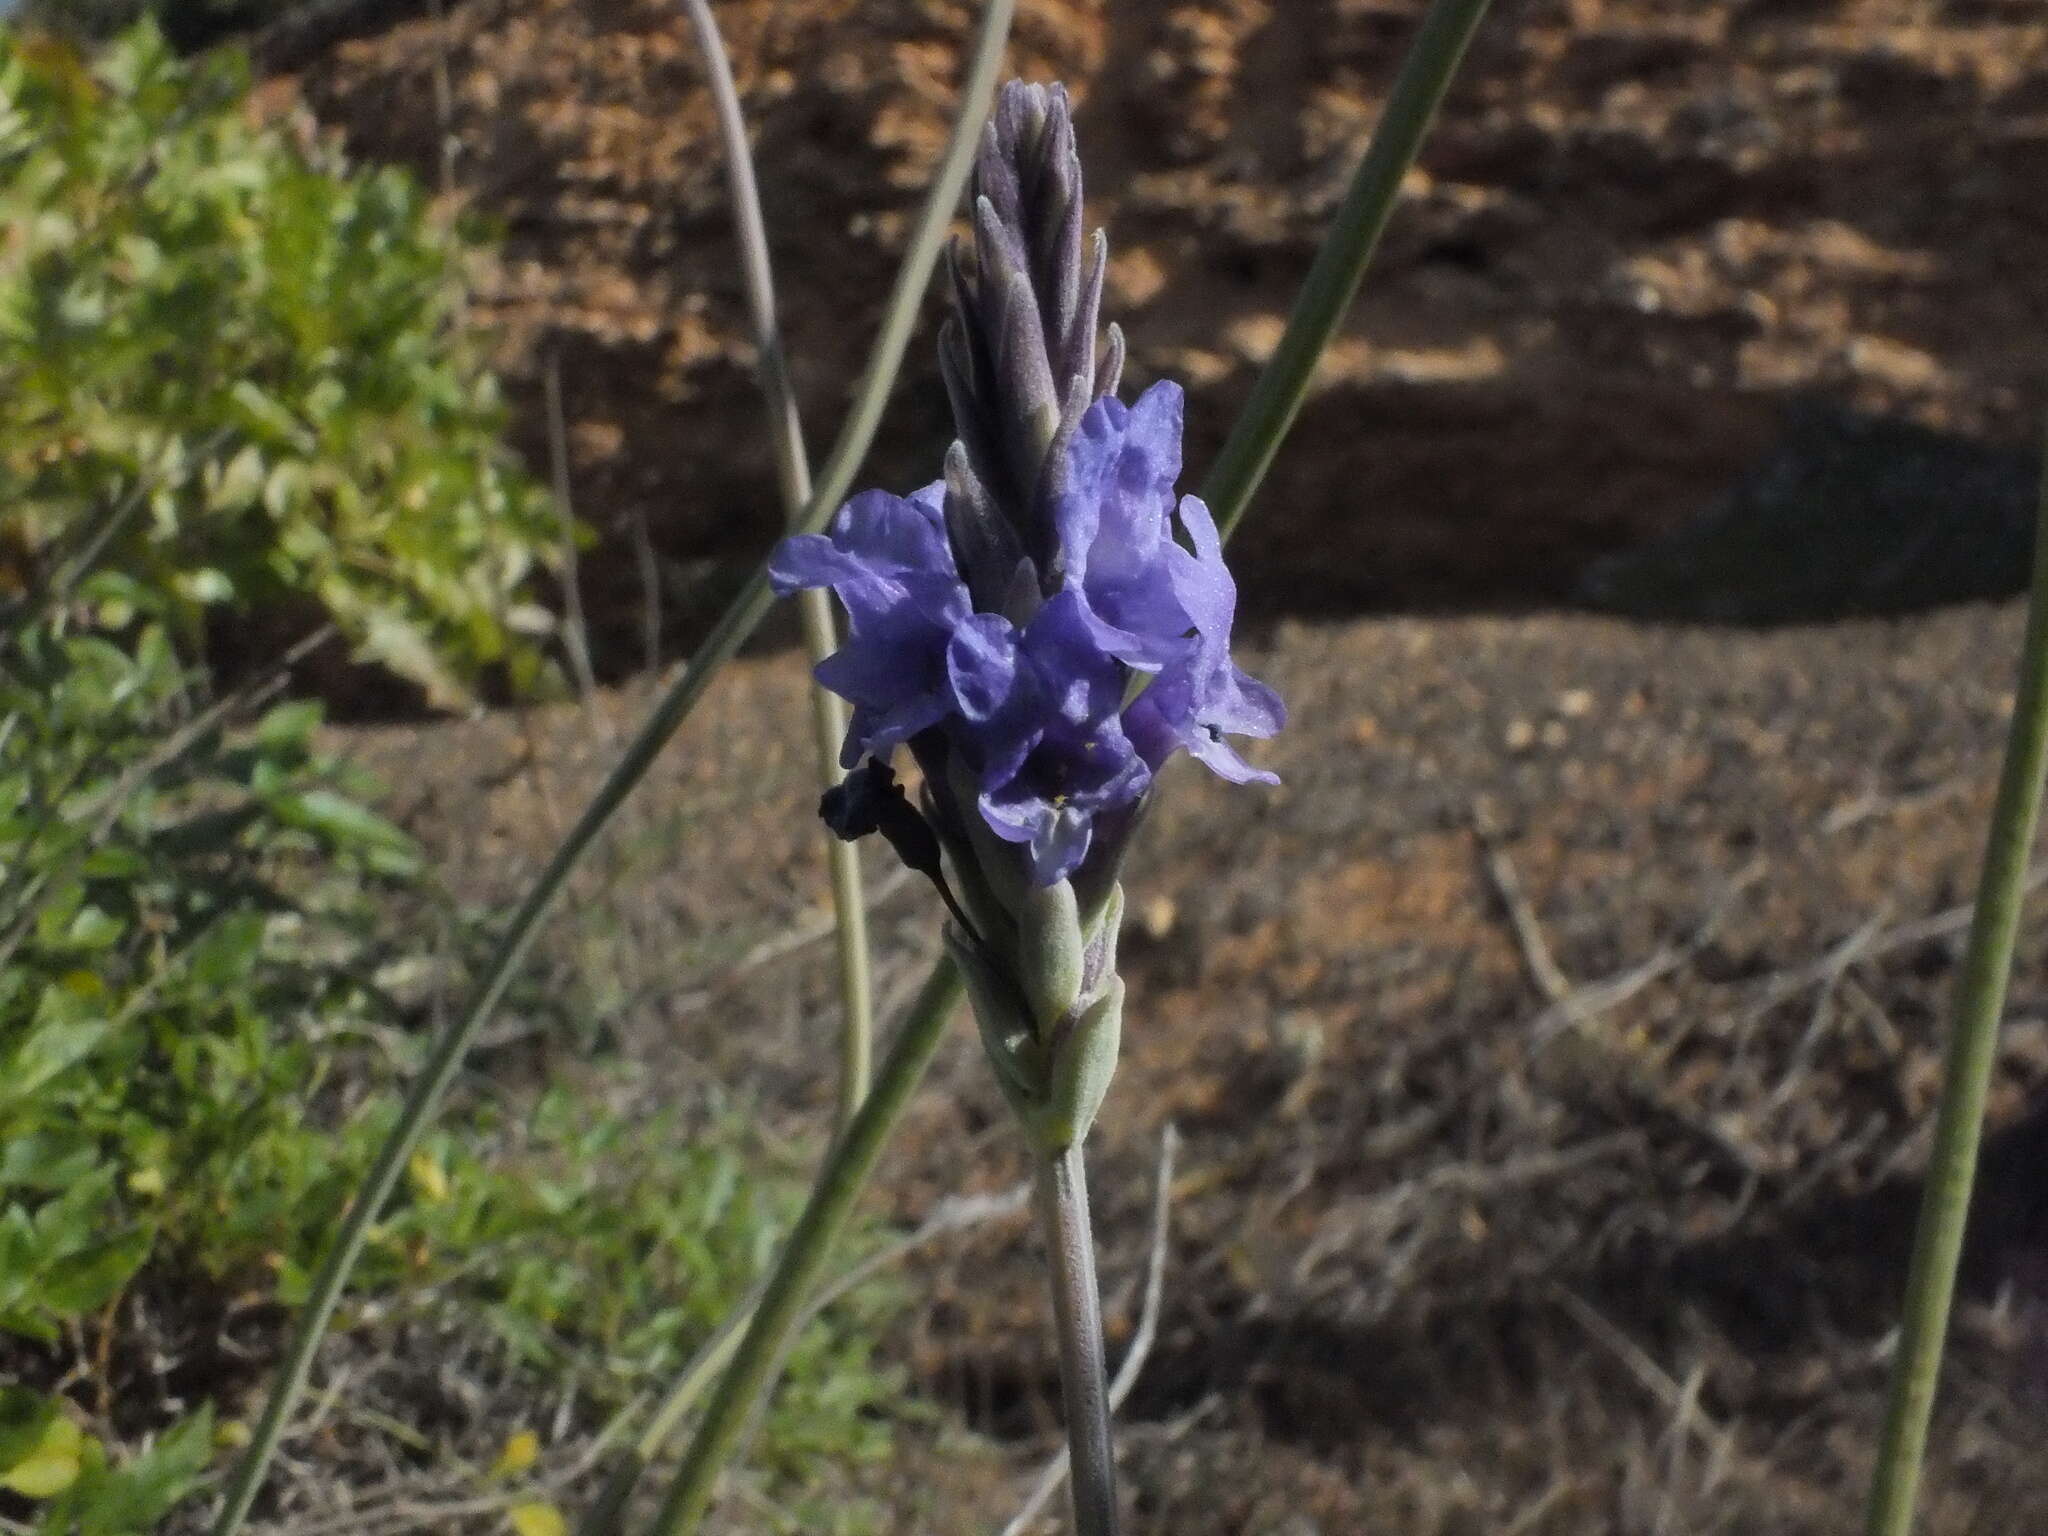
[[1077, 1321], [1000, 620]]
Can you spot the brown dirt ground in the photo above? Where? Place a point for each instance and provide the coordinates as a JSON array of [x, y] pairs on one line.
[[1446, 1257], [1641, 230]]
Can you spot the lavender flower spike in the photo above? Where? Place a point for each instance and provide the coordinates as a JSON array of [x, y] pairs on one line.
[[999, 620], [1018, 351], [1001, 617]]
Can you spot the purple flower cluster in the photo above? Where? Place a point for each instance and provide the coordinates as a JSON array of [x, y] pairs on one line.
[[1027, 687]]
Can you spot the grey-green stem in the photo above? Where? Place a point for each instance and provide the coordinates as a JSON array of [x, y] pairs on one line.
[[793, 478], [1966, 1077], [1077, 1320]]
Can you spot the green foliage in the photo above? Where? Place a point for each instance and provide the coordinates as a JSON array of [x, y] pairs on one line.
[[233, 377], [46, 1456], [202, 1022], [187, 915], [243, 367], [603, 1252]]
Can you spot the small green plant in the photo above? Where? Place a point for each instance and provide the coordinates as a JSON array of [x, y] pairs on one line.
[[185, 920], [603, 1251], [236, 370], [202, 1019], [79, 1489]]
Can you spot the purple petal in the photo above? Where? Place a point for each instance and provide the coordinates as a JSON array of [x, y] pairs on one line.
[[1091, 463], [1201, 581], [1058, 846], [1223, 760], [1082, 682], [1115, 525], [997, 693], [807, 560], [1151, 448], [982, 661], [1250, 708], [888, 559]]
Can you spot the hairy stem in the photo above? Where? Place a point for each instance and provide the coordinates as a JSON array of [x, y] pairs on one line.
[[1966, 1077], [793, 477], [1077, 1319]]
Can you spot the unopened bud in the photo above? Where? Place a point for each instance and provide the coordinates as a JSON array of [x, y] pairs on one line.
[[1082, 1065], [1052, 954], [1007, 1035]]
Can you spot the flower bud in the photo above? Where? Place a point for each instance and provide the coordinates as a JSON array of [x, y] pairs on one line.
[[1052, 952], [1008, 1038], [1082, 1065]]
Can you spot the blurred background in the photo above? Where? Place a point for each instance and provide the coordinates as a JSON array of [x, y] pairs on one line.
[[1552, 1053]]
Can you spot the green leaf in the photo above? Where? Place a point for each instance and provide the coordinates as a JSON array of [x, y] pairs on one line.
[[113, 864], [51, 1464], [24, 1419], [92, 928], [290, 724], [95, 1275], [342, 823], [47, 1050], [132, 1500]]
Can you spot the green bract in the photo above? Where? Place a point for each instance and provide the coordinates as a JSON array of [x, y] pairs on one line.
[[242, 362]]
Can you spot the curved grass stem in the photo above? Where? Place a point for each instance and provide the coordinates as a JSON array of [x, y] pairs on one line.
[[793, 478], [740, 619], [1966, 1075]]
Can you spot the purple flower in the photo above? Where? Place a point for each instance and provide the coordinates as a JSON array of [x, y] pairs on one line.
[[1115, 517], [1038, 725], [888, 559], [1000, 618], [1147, 600], [1202, 695], [1036, 709]]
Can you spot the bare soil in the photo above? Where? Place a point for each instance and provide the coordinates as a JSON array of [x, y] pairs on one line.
[[1642, 232], [1448, 1254]]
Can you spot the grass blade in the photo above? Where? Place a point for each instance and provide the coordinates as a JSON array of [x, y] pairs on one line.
[[1966, 1075], [1340, 263], [793, 477]]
